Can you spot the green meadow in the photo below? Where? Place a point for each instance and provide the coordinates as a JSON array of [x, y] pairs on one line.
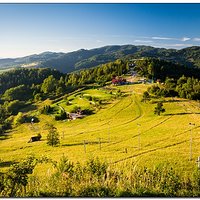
[[122, 130]]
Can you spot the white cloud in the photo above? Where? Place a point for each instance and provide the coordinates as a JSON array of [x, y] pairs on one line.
[[185, 39], [143, 41], [178, 45], [197, 39], [162, 38]]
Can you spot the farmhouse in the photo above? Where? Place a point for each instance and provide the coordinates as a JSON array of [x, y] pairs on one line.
[[118, 80]]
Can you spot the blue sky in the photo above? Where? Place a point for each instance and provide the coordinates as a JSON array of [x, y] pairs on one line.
[[34, 28]]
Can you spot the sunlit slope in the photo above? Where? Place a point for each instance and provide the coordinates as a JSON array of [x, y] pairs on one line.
[[124, 130]]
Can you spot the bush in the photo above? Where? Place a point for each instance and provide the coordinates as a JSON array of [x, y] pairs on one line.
[[95, 191], [37, 97], [67, 102], [5, 126], [47, 109], [29, 119], [145, 97], [19, 119], [89, 98], [61, 116], [17, 176], [95, 99], [87, 111], [96, 167]]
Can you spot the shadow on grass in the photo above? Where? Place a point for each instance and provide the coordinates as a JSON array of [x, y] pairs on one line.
[[155, 100], [7, 163], [175, 100], [183, 113], [105, 103], [125, 95], [29, 107], [4, 136], [82, 143]]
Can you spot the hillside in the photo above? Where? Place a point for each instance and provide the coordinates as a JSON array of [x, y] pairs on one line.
[[124, 132], [68, 62], [164, 138]]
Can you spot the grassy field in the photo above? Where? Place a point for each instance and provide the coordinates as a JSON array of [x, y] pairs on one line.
[[124, 130]]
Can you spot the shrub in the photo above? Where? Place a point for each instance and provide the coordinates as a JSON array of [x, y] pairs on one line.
[[64, 166], [37, 97], [5, 126], [95, 191], [47, 109], [29, 118], [87, 111], [145, 97], [88, 97], [61, 116], [17, 176], [19, 119], [96, 167], [67, 102]]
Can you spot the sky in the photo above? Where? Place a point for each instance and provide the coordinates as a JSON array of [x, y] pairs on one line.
[[27, 29]]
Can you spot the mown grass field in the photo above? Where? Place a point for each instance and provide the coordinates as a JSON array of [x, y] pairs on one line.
[[124, 130]]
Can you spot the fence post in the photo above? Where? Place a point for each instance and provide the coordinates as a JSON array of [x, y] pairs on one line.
[[100, 143]]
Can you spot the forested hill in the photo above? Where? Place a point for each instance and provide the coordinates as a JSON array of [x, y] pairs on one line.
[[68, 62], [28, 77]]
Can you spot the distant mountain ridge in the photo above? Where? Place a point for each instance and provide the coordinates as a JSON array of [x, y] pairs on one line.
[[68, 62]]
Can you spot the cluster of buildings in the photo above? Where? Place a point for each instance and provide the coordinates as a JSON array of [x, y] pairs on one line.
[[117, 80]]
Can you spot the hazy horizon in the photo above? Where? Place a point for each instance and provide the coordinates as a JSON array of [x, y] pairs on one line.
[[37, 53]]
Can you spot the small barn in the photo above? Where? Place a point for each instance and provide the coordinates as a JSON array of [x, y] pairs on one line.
[[35, 138]]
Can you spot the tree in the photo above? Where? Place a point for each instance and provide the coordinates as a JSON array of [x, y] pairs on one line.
[[37, 97], [20, 92], [3, 114], [49, 84], [159, 108], [53, 136], [59, 90], [145, 97]]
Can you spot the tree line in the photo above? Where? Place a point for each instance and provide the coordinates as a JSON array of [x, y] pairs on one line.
[[154, 68], [184, 87]]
